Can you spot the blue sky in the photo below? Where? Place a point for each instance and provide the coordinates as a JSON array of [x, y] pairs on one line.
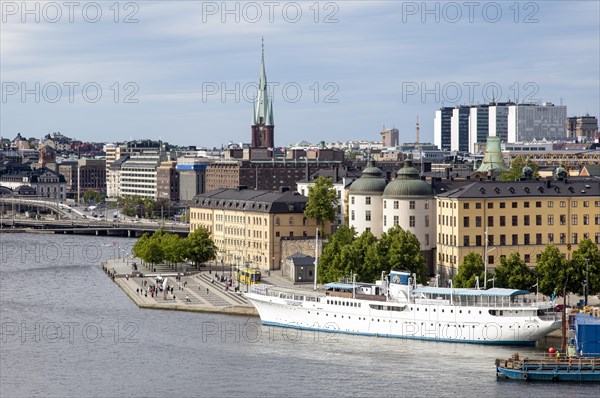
[[341, 74]]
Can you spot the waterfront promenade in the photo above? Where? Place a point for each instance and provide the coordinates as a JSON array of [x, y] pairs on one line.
[[193, 290]]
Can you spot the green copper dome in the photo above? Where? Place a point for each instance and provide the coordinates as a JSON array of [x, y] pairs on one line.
[[407, 184], [370, 182]]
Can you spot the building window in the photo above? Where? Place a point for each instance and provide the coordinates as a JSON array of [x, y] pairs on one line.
[[384, 220], [550, 203], [478, 205], [385, 204], [466, 240], [478, 221], [277, 221], [538, 219], [526, 220], [466, 222], [502, 221], [426, 205], [563, 219], [396, 221], [490, 205], [526, 205], [426, 221], [411, 205], [597, 238], [563, 203], [586, 203], [514, 205], [574, 238], [291, 222], [491, 240], [502, 240], [411, 221], [367, 200], [465, 206], [527, 258], [515, 221], [426, 239], [574, 203], [277, 234], [368, 229], [573, 219], [515, 239], [597, 219], [526, 239], [502, 205], [490, 259], [352, 200], [586, 219], [368, 215], [490, 221], [477, 240], [352, 215], [538, 239], [395, 204], [538, 204], [563, 238], [550, 219], [550, 237]]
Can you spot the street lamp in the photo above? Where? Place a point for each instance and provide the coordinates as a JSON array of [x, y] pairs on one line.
[[587, 279]]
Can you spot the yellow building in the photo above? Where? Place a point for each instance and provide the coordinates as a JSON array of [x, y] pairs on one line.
[[248, 225], [516, 216]]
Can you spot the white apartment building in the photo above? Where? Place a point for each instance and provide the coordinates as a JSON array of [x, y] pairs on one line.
[[528, 122]]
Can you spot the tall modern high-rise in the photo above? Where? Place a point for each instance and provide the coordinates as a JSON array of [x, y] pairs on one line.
[[441, 128], [479, 127], [531, 122], [459, 129], [262, 117]]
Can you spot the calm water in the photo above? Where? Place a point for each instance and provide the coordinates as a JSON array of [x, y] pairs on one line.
[[68, 330]]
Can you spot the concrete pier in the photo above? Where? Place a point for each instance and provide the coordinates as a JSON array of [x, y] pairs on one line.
[[194, 291]]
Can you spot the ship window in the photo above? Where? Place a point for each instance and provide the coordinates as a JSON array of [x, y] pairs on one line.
[[452, 311], [442, 310], [425, 309], [501, 313], [460, 311], [469, 311], [480, 312]]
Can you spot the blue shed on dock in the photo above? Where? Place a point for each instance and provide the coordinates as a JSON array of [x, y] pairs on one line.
[[587, 335]]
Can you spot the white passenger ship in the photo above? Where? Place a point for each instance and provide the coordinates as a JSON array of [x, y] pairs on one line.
[[398, 308]]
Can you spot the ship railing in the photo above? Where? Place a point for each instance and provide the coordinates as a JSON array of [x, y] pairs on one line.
[[549, 362]]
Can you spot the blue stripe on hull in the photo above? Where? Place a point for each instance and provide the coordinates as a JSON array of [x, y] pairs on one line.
[[505, 342], [574, 375]]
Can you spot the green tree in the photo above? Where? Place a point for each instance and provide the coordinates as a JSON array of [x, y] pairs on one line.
[[91, 196], [401, 251], [516, 169], [322, 201], [471, 268], [551, 271], [199, 247], [140, 247], [587, 250], [173, 248], [331, 267], [513, 273]]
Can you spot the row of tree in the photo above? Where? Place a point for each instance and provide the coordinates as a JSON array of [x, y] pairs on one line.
[[133, 206], [164, 247], [366, 256], [552, 273]]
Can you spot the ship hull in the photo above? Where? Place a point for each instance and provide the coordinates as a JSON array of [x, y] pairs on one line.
[[432, 322]]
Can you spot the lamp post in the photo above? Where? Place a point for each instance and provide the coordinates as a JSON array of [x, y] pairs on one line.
[[587, 279]]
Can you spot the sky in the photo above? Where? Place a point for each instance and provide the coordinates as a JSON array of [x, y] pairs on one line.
[[186, 71]]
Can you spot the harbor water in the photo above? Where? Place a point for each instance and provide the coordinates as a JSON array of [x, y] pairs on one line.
[[67, 330]]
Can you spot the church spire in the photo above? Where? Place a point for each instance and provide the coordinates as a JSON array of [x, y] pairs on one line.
[[262, 105]]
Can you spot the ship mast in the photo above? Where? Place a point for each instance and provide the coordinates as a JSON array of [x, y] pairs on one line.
[[316, 258]]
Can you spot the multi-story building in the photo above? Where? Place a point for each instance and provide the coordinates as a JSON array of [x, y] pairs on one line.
[[495, 219], [44, 181], [264, 175], [530, 122], [167, 181], [247, 225], [115, 152], [192, 176], [365, 196], [408, 202], [582, 128], [479, 126], [442, 128], [82, 175], [137, 174], [390, 137], [459, 129]]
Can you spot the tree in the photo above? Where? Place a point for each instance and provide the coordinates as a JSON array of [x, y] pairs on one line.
[[140, 247], [471, 268], [331, 267], [513, 273], [516, 169], [587, 250], [91, 196], [551, 271], [173, 248], [200, 248], [322, 201], [401, 251]]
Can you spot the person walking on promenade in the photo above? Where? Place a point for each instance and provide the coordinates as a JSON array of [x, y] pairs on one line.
[[207, 291]]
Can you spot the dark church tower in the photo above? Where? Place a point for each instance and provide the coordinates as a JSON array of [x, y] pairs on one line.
[[262, 119]]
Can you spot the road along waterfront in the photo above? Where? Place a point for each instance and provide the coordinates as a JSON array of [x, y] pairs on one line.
[[67, 331]]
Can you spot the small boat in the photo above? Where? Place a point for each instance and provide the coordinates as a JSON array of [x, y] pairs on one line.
[[549, 368]]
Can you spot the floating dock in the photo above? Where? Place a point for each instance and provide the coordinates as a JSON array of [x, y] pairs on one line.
[[548, 368]]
